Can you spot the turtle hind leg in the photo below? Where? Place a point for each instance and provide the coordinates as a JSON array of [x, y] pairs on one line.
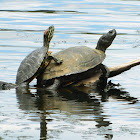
[[104, 77]]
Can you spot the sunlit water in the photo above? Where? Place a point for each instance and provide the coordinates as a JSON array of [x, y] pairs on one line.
[[69, 114]]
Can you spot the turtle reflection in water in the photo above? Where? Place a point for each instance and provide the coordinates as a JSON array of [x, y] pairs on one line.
[[36, 61], [78, 63], [69, 101]]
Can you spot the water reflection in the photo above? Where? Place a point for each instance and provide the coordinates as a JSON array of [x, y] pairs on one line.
[[70, 105]]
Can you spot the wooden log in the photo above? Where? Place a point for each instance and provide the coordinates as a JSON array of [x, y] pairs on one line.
[[114, 71]]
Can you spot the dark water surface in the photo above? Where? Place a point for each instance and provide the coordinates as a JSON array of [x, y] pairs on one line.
[[70, 114]]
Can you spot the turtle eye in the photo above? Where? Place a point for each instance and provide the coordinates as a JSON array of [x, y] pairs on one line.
[[111, 32]]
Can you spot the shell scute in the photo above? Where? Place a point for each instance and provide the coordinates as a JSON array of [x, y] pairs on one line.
[[30, 65], [75, 60]]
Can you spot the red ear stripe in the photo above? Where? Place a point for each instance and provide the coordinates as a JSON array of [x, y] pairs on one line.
[[45, 32]]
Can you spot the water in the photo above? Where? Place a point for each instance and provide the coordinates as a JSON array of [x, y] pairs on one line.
[[70, 114]]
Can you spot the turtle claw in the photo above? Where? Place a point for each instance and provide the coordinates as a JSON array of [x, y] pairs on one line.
[[59, 61]]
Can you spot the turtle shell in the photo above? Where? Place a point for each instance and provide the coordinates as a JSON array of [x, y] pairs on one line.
[[29, 67], [75, 60]]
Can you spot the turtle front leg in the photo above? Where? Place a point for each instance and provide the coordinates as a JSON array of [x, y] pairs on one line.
[[57, 60], [104, 76], [50, 57], [105, 70]]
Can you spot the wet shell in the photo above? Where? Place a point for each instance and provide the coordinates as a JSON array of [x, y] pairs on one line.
[[75, 60], [30, 65]]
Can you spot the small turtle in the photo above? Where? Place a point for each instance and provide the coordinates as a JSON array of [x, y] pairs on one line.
[[36, 61], [78, 63]]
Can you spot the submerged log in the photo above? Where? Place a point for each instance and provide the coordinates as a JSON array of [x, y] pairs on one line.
[[6, 86]]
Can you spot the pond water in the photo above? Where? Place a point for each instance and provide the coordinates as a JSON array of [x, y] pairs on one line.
[[70, 114]]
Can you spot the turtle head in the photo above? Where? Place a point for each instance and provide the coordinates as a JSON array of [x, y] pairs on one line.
[[48, 34], [106, 40]]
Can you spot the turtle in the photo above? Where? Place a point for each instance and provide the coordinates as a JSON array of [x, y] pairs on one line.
[[34, 63], [79, 62]]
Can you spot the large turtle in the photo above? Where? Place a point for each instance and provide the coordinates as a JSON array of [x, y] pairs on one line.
[[36, 61], [78, 63]]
